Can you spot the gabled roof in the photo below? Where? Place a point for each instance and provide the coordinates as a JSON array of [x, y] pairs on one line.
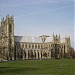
[[30, 39]]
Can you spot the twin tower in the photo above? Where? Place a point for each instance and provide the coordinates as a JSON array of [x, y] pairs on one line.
[[7, 38], [7, 42]]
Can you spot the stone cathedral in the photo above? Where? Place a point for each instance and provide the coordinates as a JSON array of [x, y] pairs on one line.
[[27, 47]]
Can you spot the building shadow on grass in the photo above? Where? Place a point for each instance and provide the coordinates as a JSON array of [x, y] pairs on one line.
[[16, 70]]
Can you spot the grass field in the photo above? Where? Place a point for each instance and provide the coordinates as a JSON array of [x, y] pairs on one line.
[[38, 67]]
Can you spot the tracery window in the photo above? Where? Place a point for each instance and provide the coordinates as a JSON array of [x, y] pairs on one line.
[[38, 46], [25, 45], [29, 45], [35, 46]]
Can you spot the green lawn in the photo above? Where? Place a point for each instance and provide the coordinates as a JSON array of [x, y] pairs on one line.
[[38, 67]]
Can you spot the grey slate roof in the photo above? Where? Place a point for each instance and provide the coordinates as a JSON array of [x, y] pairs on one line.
[[33, 39], [29, 39]]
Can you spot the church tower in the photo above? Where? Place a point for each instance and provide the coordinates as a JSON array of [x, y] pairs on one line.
[[56, 38], [67, 44], [7, 38], [56, 46]]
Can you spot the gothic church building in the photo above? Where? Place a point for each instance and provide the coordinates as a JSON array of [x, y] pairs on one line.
[[27, 47]]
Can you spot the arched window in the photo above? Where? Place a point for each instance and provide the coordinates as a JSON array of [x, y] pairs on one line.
[[29, 45], [10, 28], [38, 46], [64, 47], [35, 46], [25, 45], [18, 44], [41, 46]]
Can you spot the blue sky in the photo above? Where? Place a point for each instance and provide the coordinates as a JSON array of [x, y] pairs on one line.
[[38, 17]]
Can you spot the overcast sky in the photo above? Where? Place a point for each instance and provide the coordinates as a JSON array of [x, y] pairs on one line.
[[40, 17]]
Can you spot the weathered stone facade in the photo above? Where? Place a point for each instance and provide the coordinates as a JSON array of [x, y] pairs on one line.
[[7, 38], [19, 47]]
